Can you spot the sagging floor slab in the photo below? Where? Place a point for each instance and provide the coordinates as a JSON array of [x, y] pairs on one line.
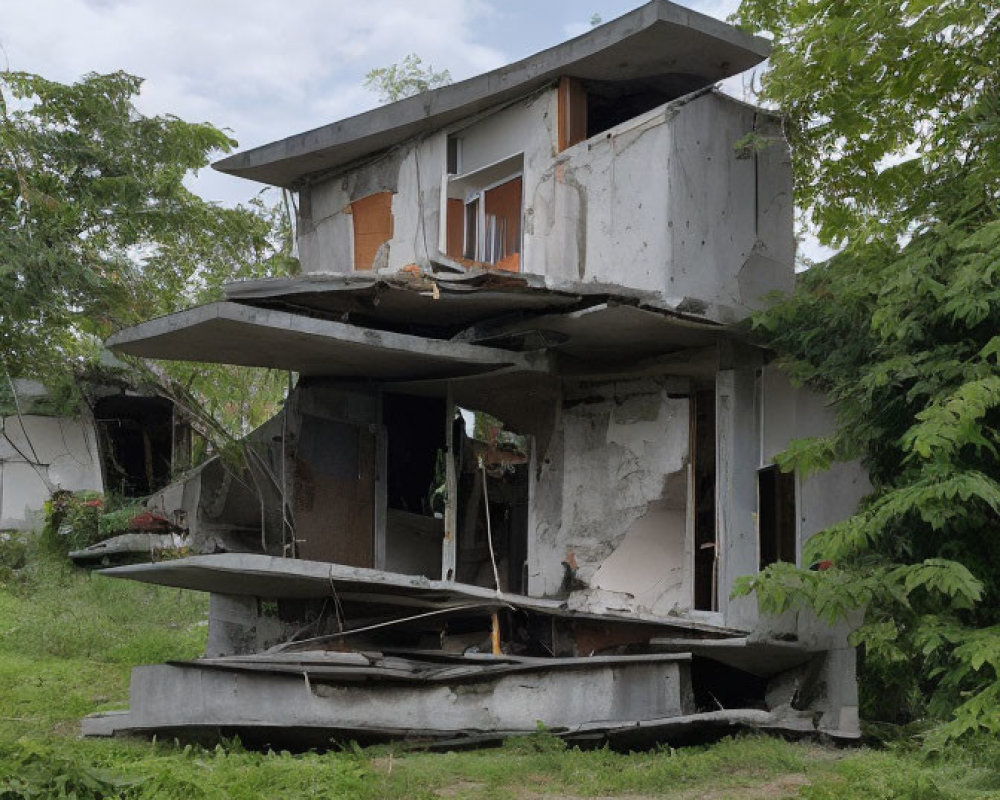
[[251, 574], [371, 697], [399, 657], [317, 699]]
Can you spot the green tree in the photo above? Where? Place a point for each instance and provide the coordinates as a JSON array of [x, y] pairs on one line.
[[407, 78], [100, 232], [892, 108]]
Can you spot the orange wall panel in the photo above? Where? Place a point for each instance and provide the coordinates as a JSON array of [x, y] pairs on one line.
[[372, 227]]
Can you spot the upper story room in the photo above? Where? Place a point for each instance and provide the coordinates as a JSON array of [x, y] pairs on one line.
[[609, 159]]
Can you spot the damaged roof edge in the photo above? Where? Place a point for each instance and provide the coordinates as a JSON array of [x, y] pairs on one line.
[[684, 310], [606, 52]]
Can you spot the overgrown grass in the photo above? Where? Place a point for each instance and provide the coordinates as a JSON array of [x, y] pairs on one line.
[[68, 639]]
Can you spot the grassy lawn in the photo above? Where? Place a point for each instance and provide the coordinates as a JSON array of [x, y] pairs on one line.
[[69, 638]]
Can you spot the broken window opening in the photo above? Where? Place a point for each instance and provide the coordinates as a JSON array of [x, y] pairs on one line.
[[470, 245], [588, 108], [372, 217], [706, 557], [776, 516], [482, 212], [415, 497], [136, 436], [492, 466], [454, 155]]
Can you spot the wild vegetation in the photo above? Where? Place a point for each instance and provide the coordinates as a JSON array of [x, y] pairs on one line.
[[68, 639], [405, 79], [892, 109], [100, 232]]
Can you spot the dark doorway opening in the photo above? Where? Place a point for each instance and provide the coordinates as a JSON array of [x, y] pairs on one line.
[[492, 470], [706, 557], [415, 429], [776, 519], [136, 442]]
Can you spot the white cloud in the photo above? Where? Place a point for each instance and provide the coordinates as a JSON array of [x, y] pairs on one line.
[[265, 69], [262, 69]]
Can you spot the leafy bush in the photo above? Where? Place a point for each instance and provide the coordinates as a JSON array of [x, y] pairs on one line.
[[115, 521], [36, 771], [900, 168], [72, 520]]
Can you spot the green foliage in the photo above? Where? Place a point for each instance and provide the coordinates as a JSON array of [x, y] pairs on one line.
[[100, 232], [36, 771], [541, 741], [117, 520], [893, 111], [884, 101], [405, 79], [72, 521], [13, 555]]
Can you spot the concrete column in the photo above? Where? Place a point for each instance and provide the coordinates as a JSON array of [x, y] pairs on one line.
[[737, 457]]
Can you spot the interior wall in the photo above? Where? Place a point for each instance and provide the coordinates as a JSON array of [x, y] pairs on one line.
[[608, 520], [789, 412], [64, 449]]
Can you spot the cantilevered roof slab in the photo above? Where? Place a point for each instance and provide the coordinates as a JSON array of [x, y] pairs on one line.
[[231, 333], [658, 39]]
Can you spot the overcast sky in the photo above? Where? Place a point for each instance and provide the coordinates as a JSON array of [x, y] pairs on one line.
[[264, 70]]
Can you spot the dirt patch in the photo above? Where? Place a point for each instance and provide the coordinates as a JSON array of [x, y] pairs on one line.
[[460, 789], [783, 787]]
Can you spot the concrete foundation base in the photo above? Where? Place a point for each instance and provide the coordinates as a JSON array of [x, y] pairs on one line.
[[563, 694]]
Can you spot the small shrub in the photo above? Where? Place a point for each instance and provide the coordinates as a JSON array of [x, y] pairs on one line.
[[117, 521], [72, 521], [541, 741]]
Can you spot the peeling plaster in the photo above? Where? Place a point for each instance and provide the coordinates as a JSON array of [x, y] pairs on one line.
[[619, 469]]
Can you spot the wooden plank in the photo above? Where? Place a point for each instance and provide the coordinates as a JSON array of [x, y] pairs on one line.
[[455, 228], [572, 112], [372, 227], [334, 492], [505, 203]]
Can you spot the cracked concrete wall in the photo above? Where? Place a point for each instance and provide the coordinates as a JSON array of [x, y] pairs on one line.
[[610, 496], [412, 173], [526, 127], [665, 202], [325, 225], [63, 449]]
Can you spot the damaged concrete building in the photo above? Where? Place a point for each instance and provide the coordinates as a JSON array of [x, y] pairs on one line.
[[529, 448], [119, 436]]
